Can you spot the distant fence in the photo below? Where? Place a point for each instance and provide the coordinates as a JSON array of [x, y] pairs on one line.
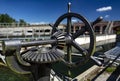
[[13, 25], [20, 25]]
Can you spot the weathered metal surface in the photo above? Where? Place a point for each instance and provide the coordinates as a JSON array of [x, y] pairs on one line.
[[43, 55], [113, 53]]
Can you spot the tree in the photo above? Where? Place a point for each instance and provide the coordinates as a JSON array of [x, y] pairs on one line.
[[22, 22], [5, 18]]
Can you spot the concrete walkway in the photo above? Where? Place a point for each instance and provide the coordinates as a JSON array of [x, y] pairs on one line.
[[114, 76]]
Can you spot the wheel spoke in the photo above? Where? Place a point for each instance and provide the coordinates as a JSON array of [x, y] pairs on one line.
[[79, 32], [68, 30], [69, 24], [81, 49]]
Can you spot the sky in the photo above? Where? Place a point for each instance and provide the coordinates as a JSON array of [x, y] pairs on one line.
[[47, 11]]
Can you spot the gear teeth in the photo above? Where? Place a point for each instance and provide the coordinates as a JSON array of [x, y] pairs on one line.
[[36, 56], [48, 56], [57, 34]]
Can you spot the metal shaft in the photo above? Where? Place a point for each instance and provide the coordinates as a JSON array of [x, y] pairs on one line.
[[69, 4], [35, 43]]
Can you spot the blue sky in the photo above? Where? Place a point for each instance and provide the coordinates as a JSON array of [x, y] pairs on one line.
[[47, 11]]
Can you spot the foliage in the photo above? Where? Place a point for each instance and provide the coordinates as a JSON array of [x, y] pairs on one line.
[[5, 18], [110, 69], [22, 22]]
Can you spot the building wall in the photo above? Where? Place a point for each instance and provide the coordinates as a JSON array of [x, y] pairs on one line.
[[99, 28]]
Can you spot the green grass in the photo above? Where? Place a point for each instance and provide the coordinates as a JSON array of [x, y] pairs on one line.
[[8, 75], [110, 69]]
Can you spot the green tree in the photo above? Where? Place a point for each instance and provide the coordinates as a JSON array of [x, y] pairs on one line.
[[5, 18], [22, 22]]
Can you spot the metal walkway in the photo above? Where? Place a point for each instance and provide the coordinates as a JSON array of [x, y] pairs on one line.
[[113, 53]]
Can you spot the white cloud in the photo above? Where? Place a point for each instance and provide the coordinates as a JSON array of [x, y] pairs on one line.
[[74, 20], [38, 23], [107, 16], [103, 9]]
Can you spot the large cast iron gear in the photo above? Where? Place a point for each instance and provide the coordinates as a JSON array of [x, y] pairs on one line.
[[43, 55], [68, 38]]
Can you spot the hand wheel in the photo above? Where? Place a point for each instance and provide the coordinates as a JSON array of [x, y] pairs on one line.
[[72, 39]]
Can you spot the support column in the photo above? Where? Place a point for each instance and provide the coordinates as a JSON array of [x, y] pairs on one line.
[[41, 72]]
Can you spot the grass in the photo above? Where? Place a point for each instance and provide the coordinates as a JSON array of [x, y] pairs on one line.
[[7, 75], [110, 69]]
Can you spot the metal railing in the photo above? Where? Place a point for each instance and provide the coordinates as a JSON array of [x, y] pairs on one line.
[[13, 25]]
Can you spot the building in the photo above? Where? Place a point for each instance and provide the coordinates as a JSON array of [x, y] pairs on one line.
[[104, 27]]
